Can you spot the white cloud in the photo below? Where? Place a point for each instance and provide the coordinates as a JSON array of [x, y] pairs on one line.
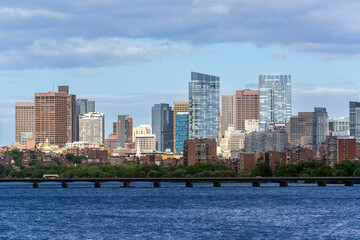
[[278, 54], [323, 90], [220, 9], [18, 13]]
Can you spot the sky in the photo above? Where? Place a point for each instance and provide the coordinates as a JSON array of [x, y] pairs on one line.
[[128, 55]]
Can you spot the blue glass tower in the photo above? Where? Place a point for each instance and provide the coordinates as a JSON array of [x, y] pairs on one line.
[[204, 106], [182, 130], [274, 99], [163, 126], [354, 117]]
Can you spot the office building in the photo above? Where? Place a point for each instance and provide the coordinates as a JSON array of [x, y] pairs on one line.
[[83, 106], [251, 125], [320, 126], [142, 130], [123, 131], [51, 118], [162, 126], [233, 140], [92, 127], [179, 107], [274, 99], [24, 119], [145, 142], [227, 113], [268, 141], [355, 120], [71, 114], [204, 106], [341, 124], [338, 149], [301, 129], [182, 130], [199, 151], [246, 107]]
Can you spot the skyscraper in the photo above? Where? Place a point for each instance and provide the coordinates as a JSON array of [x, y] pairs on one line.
[[204, 106], [162, 126], [24, 120], [301, 129], [275, 99], [246, 107], [123, 131], [355, 119], [227, 113], [83, 106], [51, 118], [320, 126], [179, 106], [92, 127], [182, 130], [71, 114]]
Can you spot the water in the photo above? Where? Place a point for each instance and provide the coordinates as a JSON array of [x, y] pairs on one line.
[[234, 211]]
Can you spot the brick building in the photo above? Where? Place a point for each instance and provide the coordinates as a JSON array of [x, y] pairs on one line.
[[199, 151]]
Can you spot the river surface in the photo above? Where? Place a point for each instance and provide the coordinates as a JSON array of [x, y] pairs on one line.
[[234, 211]]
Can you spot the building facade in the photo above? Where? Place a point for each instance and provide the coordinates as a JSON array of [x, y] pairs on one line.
[[51, 118], [182, 130], [227, 113], [204, 106], [179, 107], [341, 124], [24, 119], [199, 151], [274, 99], [162, 126], [354, 118], [275, 141], [92, 127], [301, 129], [83, 106], [123, 131], [142, 130], [145, 142], [320, 126], [246, 107], [71, 114]]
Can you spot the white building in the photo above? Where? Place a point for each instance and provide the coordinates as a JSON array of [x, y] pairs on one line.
[[233, 140], [145, 142], [91, 128], [252, 125]]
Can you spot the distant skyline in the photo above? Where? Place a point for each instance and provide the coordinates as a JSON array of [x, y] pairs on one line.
[[130, 55]]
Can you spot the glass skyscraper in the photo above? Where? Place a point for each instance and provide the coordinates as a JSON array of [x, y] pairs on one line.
[[355, 119], [320, 126], [162, 126], [182, 130], [275, 99], [204, 106]]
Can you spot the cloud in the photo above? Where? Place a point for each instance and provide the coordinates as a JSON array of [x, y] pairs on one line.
[[83, 73], [323, 90], [278, 54], [18, 13]]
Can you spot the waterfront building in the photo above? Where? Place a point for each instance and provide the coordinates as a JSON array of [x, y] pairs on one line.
[[204, 106], [24, 120], [92, 127], [162, 126], [301, 129], [275, 141], [274, 99], [246, 107], [354, 118], [320, 126], [227, 112], [182, 130], [179, 107], [71, 114], [145, 142], [51, 118], [338, 149], [251, 125], [199, 151], [341, 124]]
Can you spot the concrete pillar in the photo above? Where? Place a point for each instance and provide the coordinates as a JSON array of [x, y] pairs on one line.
[[256, 184], [189, 184], [349, 184], [217, 184], [322, 184], [64, 185], [127, 185], [97, 185], [157, 185], [284, 184], [35, 185]]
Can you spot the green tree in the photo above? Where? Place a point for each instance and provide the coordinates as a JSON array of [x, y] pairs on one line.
[[261, 169]]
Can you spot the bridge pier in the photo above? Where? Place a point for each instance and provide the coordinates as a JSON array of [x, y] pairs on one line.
[[157, 185], [284, 184], [127, 185], [256, 184], [217, 184], [349, 184], [322, 184], [35, 185], [97, 185], [64, 185], [189, 184]]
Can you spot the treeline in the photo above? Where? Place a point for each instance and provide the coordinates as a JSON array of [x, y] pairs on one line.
[[130, 171], [308, 169]]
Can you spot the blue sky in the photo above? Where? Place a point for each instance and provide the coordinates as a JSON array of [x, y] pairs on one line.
[[129, 55]]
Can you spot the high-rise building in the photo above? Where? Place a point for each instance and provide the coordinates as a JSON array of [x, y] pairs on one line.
[[83, 106], [246, 107], [267, 141], [354, 117], [227, 113], [274, 99], [71, 114], [123, 131], [301, 129], [142, 130], [51, 118], [162, 126], [24, 120], [199, 151], [179, 106], [338, 149], [92, 127], [320, 126], [204, 106], [145, 142], [339, 125], [182, 130]]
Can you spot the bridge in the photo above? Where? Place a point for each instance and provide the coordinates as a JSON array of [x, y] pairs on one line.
[[189, 182]]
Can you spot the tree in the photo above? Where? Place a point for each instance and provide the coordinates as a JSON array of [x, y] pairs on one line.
[[261, 169]]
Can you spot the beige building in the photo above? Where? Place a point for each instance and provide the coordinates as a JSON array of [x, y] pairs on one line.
[[24, 121], [233, 140], [227, 113], [51, 118], [179, 107], [145, 143], [91, 128], [252, 125], [141, 130], [71, 114]]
